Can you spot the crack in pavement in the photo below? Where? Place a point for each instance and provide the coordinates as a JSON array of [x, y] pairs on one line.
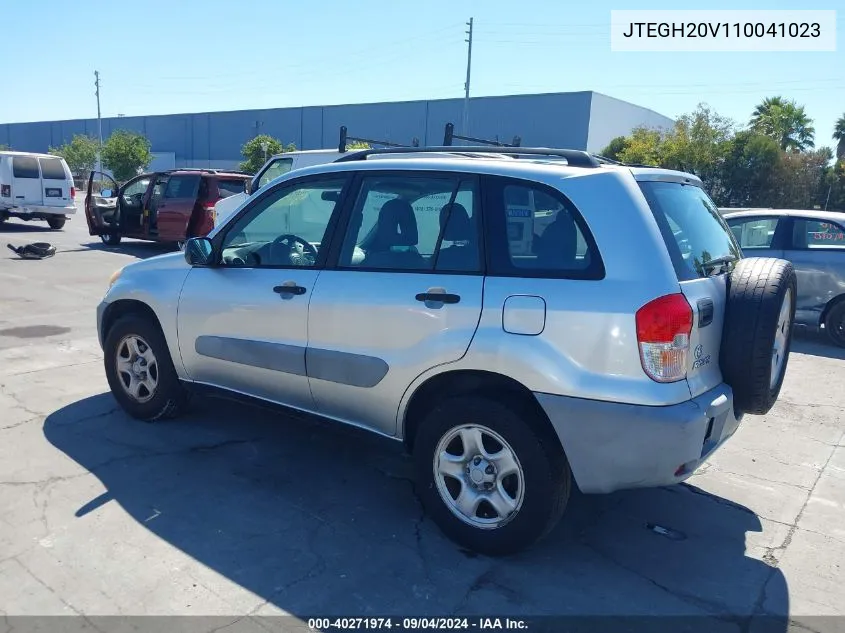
[[57, 596], [770, 557]]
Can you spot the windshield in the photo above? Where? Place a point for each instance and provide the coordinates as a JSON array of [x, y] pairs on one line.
[[692, 228]]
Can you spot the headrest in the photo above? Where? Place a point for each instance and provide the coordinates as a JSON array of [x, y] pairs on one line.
[[396, 226], [560, 239], [459, 227]]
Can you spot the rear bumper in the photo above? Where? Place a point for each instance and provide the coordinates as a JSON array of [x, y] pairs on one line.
[[613, 446], [28, 212]]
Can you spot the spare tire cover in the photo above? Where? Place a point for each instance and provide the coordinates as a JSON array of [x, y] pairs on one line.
[[757, 332]]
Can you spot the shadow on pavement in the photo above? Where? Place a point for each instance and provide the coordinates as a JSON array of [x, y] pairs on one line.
[[139, 249], [815, 344], [317, 519]]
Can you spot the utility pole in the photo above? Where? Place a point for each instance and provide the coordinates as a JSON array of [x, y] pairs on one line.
[[465, 131], [99, 121]]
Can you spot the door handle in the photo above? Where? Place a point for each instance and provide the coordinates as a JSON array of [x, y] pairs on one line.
[[439, 297], [289, 288]]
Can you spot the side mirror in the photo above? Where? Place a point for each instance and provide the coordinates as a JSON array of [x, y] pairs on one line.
[[199, 251], [106, 193], [252, 186]]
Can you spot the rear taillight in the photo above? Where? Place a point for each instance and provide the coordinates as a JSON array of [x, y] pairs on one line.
[[663, 330], [6, 191], [72, 193]]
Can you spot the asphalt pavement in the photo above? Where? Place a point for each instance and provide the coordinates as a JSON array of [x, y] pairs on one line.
[[234, 511]]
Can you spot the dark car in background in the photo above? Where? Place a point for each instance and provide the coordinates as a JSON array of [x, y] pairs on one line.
[[814, 241], [166, 206]]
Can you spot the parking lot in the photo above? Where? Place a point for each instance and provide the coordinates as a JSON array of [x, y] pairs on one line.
[[233, 511]]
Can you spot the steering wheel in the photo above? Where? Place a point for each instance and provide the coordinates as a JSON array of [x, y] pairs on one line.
[[299, 251]]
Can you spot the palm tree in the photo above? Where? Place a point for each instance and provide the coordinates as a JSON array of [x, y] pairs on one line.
[[839, 136], [784, 121]]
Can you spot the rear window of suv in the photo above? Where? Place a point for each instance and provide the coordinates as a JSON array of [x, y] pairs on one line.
[[231, 187], [692, 228]]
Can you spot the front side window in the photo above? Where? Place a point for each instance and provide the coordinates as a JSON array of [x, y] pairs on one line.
[[278, 167], [695, 233], [25, 167], [536, 231], [284, 228], [754, 232], [814, 234], [139, 187], [52, 169], [414, 222]]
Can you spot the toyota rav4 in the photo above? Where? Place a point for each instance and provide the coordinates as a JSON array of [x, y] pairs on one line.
[[522, 320]]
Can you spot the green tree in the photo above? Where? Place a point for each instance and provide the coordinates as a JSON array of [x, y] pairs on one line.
[[750, 166], [643, 147], [839, 137], [255, 155], [700, 143], [785, 122], [4, 147], [125, 152], [799, 179], [80, 154], [615, 148]]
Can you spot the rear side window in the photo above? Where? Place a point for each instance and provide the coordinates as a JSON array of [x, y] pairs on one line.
[[52, 169], [536, 231], [692, 228], [230, 187], [26, 167], [814, 234], [182, 187]]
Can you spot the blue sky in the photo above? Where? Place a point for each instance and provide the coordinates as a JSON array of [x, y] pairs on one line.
[[165, 56]]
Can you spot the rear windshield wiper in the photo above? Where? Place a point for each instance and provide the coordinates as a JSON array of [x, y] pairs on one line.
[[718, 261]]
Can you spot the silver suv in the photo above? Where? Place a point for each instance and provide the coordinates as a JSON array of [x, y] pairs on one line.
[[520, 322]]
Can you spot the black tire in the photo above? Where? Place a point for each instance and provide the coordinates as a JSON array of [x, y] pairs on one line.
[[756, 292], [110, 239], [56, 223], [547, 477], [170, 397], [834, 324]]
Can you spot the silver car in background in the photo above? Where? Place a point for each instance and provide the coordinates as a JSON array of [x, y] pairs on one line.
[[814, 241]]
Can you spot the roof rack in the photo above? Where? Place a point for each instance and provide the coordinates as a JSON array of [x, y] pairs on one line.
[[344, 137], [210, 170], [449, 135], [574, 157]]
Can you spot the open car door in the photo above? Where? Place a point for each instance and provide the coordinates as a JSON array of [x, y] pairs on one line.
[[101, 204]]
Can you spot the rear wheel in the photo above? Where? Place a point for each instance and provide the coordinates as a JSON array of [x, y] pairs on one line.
[[111, 239], [834, 324], [757, 333], [485, 475], [140, 371], [56, 223]]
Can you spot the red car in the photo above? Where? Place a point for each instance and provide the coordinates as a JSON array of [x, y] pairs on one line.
[[167, 206]]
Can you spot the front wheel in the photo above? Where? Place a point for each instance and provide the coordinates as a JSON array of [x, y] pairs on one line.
[[834, 324], [487, 477], [110, 239], [140, 371], [56, 223]]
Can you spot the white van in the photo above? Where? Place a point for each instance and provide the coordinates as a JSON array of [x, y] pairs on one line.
[[36, 187], [276, 166]]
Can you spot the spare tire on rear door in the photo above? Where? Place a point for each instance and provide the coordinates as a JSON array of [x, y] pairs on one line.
[[758, 331]]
